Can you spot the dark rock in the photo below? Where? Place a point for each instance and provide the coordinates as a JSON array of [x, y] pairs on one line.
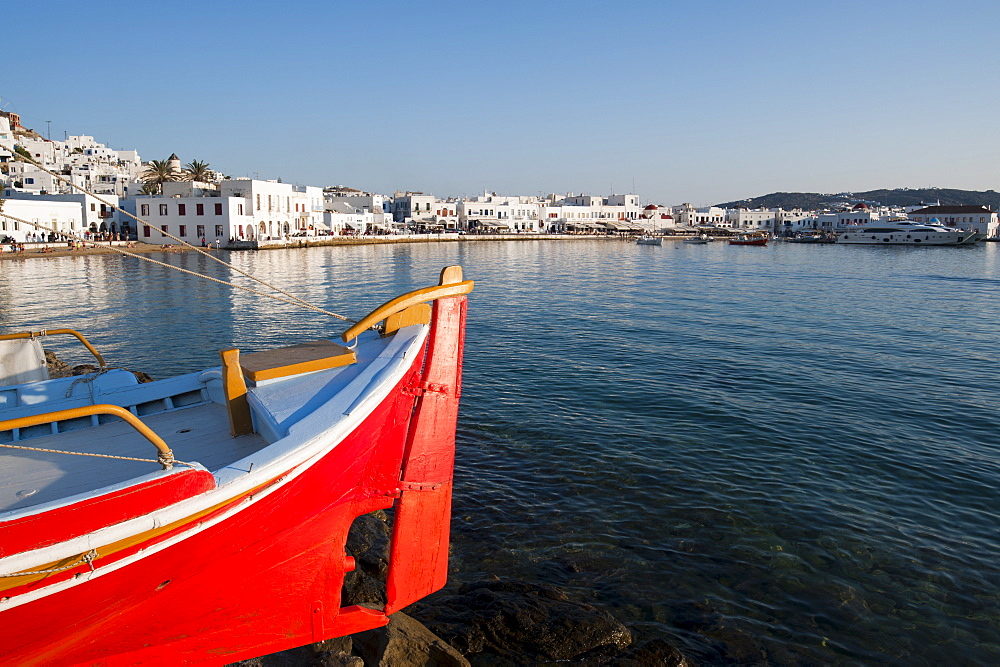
[[405, 642], [521, 621], [60, 369], [368, 543], [336, 653], [141, 377], [57, 367], [653, 652]]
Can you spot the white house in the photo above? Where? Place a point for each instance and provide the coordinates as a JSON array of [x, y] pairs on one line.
[[94, 216], [43, 215], [756, 219], [980, 218], [191, 219], [415, 206]]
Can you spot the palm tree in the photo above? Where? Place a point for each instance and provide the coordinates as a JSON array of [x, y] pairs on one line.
[[158, 172], [196, 170]]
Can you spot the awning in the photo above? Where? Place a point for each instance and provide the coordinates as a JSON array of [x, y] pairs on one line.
[[320, 225]]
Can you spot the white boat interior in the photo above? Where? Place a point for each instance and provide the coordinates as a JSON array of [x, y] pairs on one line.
[[190, 414]]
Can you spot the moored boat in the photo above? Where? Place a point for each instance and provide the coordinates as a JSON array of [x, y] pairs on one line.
[[700, 240], [812, 238], [204, 517], [649, 240], [752, 238], [907, 232]]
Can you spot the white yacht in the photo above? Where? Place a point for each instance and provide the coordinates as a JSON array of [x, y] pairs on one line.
[[907, 232]]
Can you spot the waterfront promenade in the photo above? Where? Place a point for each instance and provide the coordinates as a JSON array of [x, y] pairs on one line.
[[40, 250]]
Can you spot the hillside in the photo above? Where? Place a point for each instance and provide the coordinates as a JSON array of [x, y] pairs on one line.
[[901, 197]]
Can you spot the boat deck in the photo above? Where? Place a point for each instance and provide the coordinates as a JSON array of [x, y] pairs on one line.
[[198, 433]]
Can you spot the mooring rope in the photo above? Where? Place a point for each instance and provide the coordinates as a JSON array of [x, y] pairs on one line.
[[161, 460], [87, 558], [291, 298], [118, 249]]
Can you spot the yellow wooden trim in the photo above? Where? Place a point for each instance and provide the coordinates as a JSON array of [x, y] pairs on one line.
[[235, 389], [418, 314], [28, 577], [451, 275], [86, 411], [405, 301], [317, 355], [53, 332]]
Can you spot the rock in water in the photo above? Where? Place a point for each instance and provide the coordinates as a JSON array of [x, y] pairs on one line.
[[368, 543], [405, 643], [521, 621]]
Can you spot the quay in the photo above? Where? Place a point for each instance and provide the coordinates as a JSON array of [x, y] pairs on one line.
[[85, 248]]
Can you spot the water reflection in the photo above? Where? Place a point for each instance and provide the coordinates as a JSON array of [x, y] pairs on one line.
[[783, 454]]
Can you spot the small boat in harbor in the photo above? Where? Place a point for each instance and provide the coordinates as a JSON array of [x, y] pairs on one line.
[[649, 240], [907, 232], [752, 238], [700, 240], [204, 517], [812, 238]]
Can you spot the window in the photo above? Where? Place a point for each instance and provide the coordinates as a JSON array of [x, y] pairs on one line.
[[218, 209], [144, 209], [145, 230], [31, 181], [163, 231], [93, 207], [239, 208], [181, 209], [218, 230], [184, 230], [199, 209], [200, 231], [163, 209], [258, 201]]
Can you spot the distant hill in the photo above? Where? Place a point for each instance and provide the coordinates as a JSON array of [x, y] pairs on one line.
[[811, 201]]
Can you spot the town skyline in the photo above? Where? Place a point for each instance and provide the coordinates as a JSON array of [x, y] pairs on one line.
[[672, 101]]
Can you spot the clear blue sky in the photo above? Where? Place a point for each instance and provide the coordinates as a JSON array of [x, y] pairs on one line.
[[702, 101]]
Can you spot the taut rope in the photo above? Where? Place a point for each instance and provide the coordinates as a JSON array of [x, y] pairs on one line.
[[291, 298], [295, 301]]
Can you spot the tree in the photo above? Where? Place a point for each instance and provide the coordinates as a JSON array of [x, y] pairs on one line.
[[196, 170], [157, 173]]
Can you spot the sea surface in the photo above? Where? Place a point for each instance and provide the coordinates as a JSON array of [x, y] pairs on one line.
[[787, 454]]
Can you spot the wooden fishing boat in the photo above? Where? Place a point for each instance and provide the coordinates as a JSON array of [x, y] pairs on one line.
[[749, 239], [229, 542], [649, 240]]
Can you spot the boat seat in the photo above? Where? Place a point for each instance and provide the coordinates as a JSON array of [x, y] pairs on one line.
[[317, 355], [22, 360], [259, 367]]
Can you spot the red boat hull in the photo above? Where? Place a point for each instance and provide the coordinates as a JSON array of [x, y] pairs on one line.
[[264, 572]]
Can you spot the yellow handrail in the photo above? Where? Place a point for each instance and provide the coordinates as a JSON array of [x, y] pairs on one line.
[[51, 332], [405, 301], [164, 455]]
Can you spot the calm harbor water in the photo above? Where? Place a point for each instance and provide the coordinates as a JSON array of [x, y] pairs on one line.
[[786, 454]]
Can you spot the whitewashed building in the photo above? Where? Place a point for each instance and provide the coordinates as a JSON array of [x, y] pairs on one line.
[[754, 220], [191, 219], [791, 222], [94, 216], [41, 216], [413, 206], [980, 218]]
